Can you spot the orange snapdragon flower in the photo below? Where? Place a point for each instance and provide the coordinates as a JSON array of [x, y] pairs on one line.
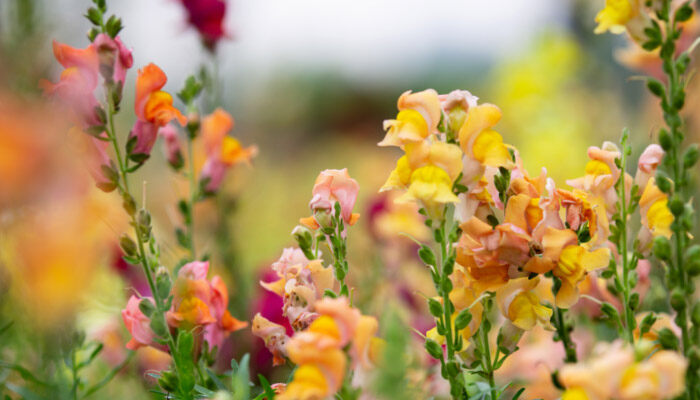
[[154, 109], [222, 151]]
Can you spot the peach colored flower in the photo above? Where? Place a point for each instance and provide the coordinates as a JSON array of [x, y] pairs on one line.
[[335, 185], [418, 118], [648, 162], [273, 335]]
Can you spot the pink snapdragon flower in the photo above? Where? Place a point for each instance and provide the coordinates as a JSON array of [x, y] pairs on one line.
[[138, 324], [335, 185], [173, 148], [216, 333], [114, 55], [648, 163]]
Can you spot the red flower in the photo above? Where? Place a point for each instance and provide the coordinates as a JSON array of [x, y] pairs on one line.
[[207, 16]]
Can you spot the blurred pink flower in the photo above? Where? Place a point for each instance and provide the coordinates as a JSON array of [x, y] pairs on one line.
[[173, 148], [78, 81], [216, 333], [137, 324], [114, 55]]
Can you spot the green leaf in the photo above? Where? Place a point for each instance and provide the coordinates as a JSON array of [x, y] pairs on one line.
[[427, 255], [147, 307], [185, 363], [267, 389], [94, 16], [684, 12], [656, 87], [240, 381], [113, 26]]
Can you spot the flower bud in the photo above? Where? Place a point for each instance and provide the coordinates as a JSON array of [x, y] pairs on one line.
[[667, 339], [128, 246], [662, 248], [463, 319], [677, 299], [324, 218], [676, 206], [508, 337], [457, 116], [163, 282], [433, 348], [691, 156], [435, 308], [692, 259], [695, 315], [168, 381], [302, 234], [662, 182], [665, 140], [144, 217]]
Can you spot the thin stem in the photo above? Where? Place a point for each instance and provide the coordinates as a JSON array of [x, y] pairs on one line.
[[192, 200], [629, 317], [487, 363], [76, 379], [123, 173], [99, 385], [563, 331]]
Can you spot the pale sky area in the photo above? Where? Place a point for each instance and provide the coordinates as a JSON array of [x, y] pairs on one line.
[[362, 39]]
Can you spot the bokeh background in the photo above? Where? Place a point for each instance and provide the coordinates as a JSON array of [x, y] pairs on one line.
[[309, 82]]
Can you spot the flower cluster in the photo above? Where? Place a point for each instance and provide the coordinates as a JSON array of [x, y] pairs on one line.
[[503, 232], [198, 304], [615, 372], [318, 351]]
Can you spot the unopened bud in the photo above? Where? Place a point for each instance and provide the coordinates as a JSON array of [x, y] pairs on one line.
[[667, 339], [128, 246], [662, 182], [676, 206], [691, 156], [678, 299], [168, 381], [302, 234], [662, 248], [324, 218], [692, 260], [144, 217], [695, 315]]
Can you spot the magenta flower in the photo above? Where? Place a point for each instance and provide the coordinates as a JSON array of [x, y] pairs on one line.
[[207, 16]]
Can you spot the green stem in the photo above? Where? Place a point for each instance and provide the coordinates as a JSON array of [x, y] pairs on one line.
[[192, 199], [486, 362], [123, 174], [563, 331], [679, 276], [622, 194], [76, 379]]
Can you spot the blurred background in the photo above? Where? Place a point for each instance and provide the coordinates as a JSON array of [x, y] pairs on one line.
[[310, 82]]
